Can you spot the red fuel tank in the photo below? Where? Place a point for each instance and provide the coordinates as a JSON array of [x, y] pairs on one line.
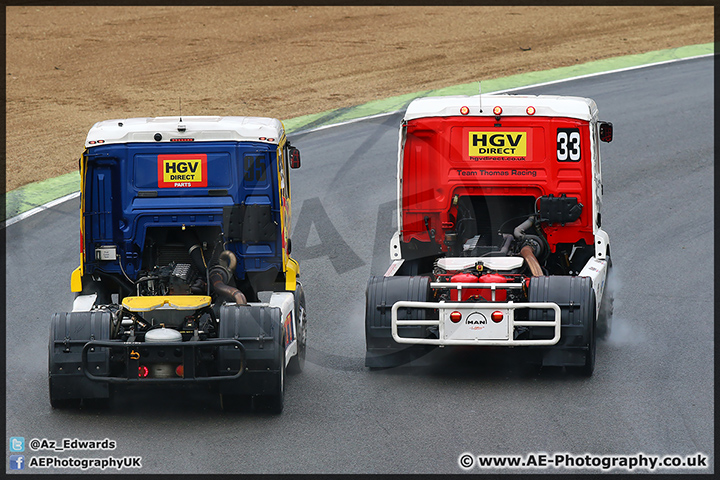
[[486, 293]]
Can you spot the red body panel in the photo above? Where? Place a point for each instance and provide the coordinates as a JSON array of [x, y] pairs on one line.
[[447, 156]]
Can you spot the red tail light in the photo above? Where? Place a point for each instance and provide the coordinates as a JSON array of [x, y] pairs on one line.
[[180, 371], [143, 371], [455, 317], [497, 110], [497, 316]]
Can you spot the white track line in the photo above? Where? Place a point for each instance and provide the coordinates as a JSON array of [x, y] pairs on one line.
[[41, 208]]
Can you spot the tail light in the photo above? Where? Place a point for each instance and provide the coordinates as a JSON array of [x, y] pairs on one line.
[[180, 371], [143, 371], [497, 316], [606, 132], [455, 317], [294, 157]]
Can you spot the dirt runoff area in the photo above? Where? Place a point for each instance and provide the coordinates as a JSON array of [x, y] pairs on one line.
[[69, 67]]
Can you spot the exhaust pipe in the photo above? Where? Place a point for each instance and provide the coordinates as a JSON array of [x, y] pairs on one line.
[[531, 260], [220, 276]]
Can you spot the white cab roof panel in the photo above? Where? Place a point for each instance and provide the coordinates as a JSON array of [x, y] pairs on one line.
[[198, 128], [512, 105]]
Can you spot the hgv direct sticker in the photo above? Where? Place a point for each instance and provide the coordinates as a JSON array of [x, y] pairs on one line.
[[188, 170], [497, 144]]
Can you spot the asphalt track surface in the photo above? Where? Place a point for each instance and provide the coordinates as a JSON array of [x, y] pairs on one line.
[[652, 391]]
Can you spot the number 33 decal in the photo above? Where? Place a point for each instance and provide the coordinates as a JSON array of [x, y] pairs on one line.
[[568, 144]]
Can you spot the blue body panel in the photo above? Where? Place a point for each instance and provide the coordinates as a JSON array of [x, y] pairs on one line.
[[126, 192]]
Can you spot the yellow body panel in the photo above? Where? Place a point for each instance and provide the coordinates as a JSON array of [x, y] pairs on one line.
[[76, 279], [176, 302], [292, 269]]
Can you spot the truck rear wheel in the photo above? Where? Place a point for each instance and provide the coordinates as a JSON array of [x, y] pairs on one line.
[[275, 400], [297, 363], [604, 320]]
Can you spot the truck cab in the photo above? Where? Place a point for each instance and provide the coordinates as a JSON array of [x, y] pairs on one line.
[[499, 229], [184, 247]]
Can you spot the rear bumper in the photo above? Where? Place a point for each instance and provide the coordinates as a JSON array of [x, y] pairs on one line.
[[200, 360], [500, 334]]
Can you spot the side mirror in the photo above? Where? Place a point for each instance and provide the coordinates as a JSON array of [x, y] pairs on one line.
[[606, 132], [294, 157]]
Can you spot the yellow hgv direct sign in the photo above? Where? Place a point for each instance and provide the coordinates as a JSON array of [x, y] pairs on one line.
[[497, 144]]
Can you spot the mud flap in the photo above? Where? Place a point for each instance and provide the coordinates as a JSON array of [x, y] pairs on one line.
[[576, 299], [259, 328], [69, 332], [382, 292]]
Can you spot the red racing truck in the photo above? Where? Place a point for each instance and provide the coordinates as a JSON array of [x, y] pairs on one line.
[[500, 239]]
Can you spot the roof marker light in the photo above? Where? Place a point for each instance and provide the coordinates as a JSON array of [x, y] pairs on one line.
[[464, 110], [497, 110], [530, 110]]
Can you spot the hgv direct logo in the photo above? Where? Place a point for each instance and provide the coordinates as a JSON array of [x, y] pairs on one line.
[[188, 170], [497, 144]]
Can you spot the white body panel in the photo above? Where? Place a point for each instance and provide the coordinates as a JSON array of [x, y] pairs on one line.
[[512, 105], [199, 128], [596, 269], [285, 301], [84, 303]]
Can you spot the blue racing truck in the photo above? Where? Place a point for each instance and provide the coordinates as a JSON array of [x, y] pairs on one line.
[[185, 272]]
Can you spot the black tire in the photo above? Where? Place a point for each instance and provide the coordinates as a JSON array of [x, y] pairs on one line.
[[382, 292], [591, 344], [297, 363], [604, 320], [274, 402]]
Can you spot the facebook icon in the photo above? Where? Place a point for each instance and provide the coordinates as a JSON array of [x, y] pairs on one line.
[[17, 462]]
